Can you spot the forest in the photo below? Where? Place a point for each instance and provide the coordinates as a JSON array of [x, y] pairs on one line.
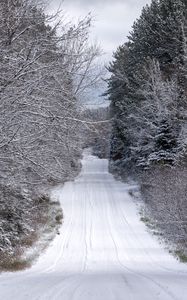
[[46, 66], [148, 93], [93, 150]]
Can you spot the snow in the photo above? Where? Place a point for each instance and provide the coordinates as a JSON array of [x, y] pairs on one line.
[[103, 252]]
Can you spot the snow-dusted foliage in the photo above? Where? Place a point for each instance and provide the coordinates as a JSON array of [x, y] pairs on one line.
[[147, 89], [164, 192], [44, 70], [148, 93], [97, 132]]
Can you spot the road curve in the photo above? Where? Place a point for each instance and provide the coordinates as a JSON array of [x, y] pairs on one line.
[[103, 251]]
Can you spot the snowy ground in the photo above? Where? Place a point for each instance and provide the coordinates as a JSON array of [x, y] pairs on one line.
[[103, 252]]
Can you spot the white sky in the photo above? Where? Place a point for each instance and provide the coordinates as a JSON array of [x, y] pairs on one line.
[[113, 19]]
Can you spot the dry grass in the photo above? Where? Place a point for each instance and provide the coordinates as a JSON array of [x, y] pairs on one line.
[[164, 191], [14, 265], [181, 256], [46, 222]]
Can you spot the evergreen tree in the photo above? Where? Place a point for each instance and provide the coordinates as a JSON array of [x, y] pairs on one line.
[[147, 87]]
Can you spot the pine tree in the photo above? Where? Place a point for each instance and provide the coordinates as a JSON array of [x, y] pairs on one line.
[[147, 87]]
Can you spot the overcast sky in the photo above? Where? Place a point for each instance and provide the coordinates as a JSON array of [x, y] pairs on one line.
[[113, 18]]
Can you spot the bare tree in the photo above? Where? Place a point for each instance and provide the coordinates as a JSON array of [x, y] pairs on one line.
[[44, 70]]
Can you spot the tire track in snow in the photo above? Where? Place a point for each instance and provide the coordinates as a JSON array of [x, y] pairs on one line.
[[66, 237], [92, 259], [143, 248], [137, 273]]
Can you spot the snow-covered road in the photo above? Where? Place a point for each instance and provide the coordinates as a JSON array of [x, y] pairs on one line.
[[103, 251]]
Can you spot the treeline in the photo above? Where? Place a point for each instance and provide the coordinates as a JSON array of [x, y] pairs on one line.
[[148, 90], [97, 131], [45, 66], [148, 93]]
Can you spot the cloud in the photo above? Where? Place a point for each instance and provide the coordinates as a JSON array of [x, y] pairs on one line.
[[113, 19], [95, 3]]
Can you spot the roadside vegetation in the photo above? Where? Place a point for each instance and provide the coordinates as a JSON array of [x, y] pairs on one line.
[[47, 65], [148, 93], [23, 227]]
